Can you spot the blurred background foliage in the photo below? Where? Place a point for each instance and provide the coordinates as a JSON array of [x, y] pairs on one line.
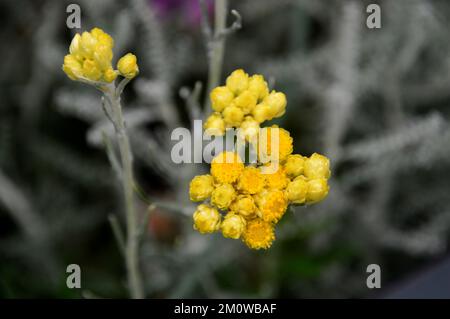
[[374, 101]]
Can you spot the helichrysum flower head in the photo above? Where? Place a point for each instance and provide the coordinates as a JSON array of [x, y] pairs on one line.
[[272, 205], [296, 190], [294, 165], [222, 196], [127, 66], [317, 166], [201, 187], [244, 205], [90, 56], [215, 125], [277, 180], [206, 219], [285, 146], [251, 181], [226, 167], [237, 81], [258, 234], [221, 97], [233, 226], [317, 190]]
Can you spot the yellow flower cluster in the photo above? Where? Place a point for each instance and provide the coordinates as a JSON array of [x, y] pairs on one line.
[[253, 202], [244, 102], [247, 201], [90, 59]]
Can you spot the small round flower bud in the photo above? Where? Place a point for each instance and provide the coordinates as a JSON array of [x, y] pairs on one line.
[[277, 103], [221, 97], [261, 113], [317, 166], [249, 129], [296, 190], [109, 75], [246, 101], [244, 205], [214, 125], [206, 219], [127, 66], [317, 190], [223, 196], [233, 116], [201, 187], [237, 81], [258, 87], [233, 226], [294, 165]]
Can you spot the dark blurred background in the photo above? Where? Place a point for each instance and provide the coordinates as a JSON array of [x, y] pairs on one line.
[[375, 101]]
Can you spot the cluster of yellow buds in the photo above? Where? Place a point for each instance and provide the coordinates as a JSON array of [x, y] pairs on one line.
[[244, 102], [247, 201], [90, 59], [254, 202]]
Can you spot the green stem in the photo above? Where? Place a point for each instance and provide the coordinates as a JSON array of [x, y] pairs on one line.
[[217, 47], [132, 244]]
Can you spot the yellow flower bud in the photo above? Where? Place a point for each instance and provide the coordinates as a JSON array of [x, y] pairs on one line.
[[277, 103], [127, 66], [246, 101], [261, 113], [233, 226], [258, 87], [317, 166], [258, 234], [233, 116], [214, 125], [91, 70], [221, 97], [72, 67], [294, 165], [317, 190], [102, 37], [237, 81], [251, 180], [296, 190], [109, 75], [226, 167], [206, 219], [244, 205], [249, 129], [223, 196], [201, 187]]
